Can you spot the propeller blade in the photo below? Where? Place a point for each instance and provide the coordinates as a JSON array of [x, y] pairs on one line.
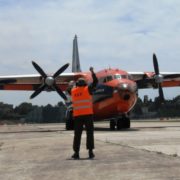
[[38, 91], [161, 94], [39, 69], [155, 63], [59, 91], [7, 81], [156, 69], [62, 69]]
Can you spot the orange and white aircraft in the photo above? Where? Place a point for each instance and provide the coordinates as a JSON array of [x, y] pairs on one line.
[[114, 97]]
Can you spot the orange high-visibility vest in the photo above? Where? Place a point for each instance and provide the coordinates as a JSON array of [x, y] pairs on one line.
[[82, 101]]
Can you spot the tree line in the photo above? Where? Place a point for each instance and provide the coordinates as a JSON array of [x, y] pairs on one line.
[[28, 113], [148, 108]]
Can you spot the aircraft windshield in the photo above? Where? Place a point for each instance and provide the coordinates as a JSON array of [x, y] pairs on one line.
[[106, 79], [122, 76], [117, 76], [111, 77]]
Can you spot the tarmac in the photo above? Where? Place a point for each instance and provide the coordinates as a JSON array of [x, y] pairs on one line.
[[148, 150]]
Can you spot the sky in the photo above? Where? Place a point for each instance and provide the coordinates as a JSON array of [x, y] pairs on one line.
[[114, 33]]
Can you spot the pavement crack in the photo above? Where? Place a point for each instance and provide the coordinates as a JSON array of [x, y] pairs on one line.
[[1, 144], [175, 155]]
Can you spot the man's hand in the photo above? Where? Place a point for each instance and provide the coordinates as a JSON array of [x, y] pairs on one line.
[[91, 69]]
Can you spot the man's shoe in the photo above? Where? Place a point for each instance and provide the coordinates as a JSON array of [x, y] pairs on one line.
[[91, 155], [75, 156]]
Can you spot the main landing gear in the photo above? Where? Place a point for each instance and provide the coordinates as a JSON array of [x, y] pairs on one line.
[[69, 120], [120, 123]]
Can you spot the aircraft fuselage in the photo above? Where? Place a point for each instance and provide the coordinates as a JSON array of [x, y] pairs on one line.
[[115, 95]]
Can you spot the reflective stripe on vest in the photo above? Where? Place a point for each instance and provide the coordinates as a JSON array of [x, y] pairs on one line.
[[82, 101]]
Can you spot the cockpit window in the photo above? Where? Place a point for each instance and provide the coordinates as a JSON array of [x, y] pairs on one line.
[[106, 79], [124, 76], [109, 78], [117, 76]]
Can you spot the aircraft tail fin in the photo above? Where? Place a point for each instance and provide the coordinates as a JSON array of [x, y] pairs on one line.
[[75, 57]]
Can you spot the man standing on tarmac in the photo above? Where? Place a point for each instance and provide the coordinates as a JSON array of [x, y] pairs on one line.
[[83, 114]]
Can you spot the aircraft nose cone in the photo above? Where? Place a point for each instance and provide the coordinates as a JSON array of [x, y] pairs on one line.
[[127, 87], [123, 86]]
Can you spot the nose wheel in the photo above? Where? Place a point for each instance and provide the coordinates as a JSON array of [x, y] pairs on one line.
[[120, 123], [112, 124]]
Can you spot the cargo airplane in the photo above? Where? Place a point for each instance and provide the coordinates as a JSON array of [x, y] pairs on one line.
[[115, 95]]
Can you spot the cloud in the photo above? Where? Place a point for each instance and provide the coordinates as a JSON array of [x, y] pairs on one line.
[[121, 34]]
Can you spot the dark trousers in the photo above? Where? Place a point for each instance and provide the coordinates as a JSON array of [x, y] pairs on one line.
[[79, 122]]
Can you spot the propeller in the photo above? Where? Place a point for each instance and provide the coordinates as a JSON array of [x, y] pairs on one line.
[[158, 78], [49, 81], [156, 68]]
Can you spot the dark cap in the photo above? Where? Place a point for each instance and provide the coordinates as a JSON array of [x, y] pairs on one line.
[[81, 82]]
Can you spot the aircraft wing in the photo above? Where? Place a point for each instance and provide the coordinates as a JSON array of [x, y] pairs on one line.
[[149, 79], [33, 81]]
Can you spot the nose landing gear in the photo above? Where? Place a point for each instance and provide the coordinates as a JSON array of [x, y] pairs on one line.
[[120, 123]]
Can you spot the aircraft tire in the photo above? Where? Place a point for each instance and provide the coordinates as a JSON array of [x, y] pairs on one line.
[[123, 123], [127, 123], [69, 121], [112, 124], [120, 123], [69, 124]]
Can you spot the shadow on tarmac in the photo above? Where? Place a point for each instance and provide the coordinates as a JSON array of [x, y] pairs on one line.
[[121, 130], [30, 131], [81, 159], [100, 129]]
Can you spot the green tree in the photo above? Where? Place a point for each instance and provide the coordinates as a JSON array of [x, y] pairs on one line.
[[23, 108]]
